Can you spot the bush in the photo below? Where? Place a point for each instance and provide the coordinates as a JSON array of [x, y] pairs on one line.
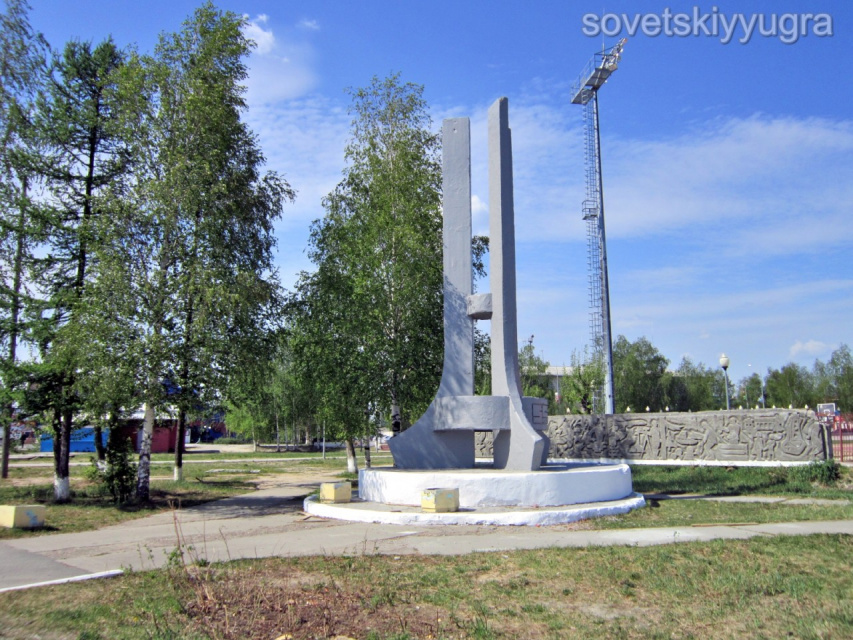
[[117, 473], [825, 472]]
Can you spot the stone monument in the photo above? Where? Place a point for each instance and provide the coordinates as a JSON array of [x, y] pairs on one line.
[[437, 453], [443, 438]]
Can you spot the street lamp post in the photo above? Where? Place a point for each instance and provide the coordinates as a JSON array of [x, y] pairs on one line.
[[724, 363]]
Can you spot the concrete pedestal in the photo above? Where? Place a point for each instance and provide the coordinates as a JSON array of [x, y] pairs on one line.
[[554, 494]]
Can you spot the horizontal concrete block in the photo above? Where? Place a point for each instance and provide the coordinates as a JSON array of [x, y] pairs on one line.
[[440, 500], [471, 412], [480, 306], [29, 516], [335, 492]]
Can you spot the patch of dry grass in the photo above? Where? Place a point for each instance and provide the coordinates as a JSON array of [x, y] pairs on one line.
[[762, 588]]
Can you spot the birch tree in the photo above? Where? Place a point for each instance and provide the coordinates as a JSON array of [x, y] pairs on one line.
[[378, 252], [199, 236]]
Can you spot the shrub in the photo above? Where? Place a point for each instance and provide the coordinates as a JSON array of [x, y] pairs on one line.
[[117, 473], [825, 472]]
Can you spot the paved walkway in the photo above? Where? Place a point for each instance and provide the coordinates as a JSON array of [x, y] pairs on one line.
[[271, 523]]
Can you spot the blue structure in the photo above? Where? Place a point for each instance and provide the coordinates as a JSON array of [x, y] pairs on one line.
[[82, 441]]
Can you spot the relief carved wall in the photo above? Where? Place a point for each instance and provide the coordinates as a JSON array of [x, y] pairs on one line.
[[736, 437]]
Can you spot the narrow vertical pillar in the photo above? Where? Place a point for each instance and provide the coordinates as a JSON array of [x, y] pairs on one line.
[[520, 447], [457, 377]]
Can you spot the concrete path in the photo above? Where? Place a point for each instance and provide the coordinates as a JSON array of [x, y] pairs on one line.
[[271, 523]]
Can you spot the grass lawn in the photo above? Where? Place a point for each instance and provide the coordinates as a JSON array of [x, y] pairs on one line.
[[728, 481], [782, 587], [92, 506]]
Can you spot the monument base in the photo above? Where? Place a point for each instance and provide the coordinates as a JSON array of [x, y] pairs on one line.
[[554, 494]]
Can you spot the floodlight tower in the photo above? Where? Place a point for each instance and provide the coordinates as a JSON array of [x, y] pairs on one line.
[[585, 92]]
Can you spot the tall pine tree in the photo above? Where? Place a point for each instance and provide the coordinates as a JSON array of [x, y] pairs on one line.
[[22, 68]]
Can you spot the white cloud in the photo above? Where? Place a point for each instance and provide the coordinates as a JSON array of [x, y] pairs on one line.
[[276, 78], [303, 139], [810, 348], [264, 39], [477, 205], [547, 174], [773, 174], [279, 68], [479, 216], [311, 25], [774, 184]]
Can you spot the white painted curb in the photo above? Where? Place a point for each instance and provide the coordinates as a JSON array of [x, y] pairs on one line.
[[358, 511], [83, 578]]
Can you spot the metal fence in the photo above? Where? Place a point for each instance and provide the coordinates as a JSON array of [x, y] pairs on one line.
[[842, 438]]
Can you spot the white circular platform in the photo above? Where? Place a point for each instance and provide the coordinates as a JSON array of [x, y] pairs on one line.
[[554, 494], [553, 485], [372, 512]]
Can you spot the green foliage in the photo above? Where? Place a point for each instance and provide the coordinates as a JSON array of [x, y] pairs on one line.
[[367, 323], [270, 399], [824, 472], [839, 376], [740, 480], [118, 473], [189, 251], [482, 363], [533, 369], [792, 385], [640, 377], [22, 61], [580, 383], [830, 381], [695, 387]]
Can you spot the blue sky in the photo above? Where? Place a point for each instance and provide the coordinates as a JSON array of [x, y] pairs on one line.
[[728, 168]]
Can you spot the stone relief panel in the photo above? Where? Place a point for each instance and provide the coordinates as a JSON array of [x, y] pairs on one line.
[[755, 436]]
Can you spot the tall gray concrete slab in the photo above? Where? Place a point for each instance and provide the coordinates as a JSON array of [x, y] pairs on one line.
[[428, 444], [520, 447], [457, 377]]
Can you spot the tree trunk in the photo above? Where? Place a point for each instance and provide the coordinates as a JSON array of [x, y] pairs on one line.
[[61, 480], [99, 443], [143, 471], [396, 418], [352, 463], [7, 434], [15, 311], [367, 453], [366, 443], [179, 445]]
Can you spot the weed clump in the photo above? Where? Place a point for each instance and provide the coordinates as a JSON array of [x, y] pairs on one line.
[[825, 472]]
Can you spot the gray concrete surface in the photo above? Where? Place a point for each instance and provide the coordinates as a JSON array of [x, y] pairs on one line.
[[271, 523]]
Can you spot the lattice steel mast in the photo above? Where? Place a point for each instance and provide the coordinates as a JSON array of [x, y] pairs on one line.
[[585, 92]]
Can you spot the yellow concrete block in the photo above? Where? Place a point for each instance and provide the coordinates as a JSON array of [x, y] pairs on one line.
[[335, 491], [440, 500], [28, 516]]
